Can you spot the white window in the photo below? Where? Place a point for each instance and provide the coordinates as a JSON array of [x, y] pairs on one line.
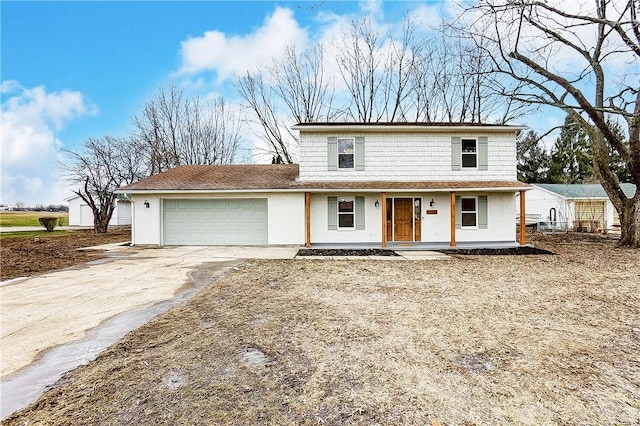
[[346, 213], [346, 153], [469, 153], [469, 212]]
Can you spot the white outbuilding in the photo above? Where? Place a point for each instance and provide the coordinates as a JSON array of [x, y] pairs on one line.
[[80, 214]]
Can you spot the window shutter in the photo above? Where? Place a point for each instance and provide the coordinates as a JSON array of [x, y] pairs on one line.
[[332, 213], [360, 213], [359, 154], [483, 213], [458, 213], [332, 153], [483, 160], [456, 153]]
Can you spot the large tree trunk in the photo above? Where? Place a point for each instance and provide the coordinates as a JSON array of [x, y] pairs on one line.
[[630, 222], [100, 226], [101, 218], [628, 208]]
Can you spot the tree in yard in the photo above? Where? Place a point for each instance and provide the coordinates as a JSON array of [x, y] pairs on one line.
[[171, 130], [571, 156], [568, 56], [174, 129], [533, 159], [295, 83], [618, 166], [103, 165]]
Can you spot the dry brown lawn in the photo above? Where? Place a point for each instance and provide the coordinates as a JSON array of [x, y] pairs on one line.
[[26, 255], [475, 340]]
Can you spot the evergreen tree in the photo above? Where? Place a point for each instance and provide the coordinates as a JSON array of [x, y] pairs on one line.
[[533, 159], [618, 166], [571, 156]]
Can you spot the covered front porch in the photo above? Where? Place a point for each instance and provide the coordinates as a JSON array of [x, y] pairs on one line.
[[427, 219]]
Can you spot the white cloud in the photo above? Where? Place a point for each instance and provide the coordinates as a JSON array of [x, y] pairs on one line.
[[372, 8], [30, 119], [227, 55]]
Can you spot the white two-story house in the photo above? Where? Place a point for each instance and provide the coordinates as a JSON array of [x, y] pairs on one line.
[[375, 185]]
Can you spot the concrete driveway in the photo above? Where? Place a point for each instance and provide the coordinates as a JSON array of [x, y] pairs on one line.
[[57, 308]]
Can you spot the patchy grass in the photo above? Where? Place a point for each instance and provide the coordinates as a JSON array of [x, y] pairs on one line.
[[10, 219], [476, 340], [32, 234]]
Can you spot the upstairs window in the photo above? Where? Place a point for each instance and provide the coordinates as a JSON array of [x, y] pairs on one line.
[[346, 153], [469, 153], [346, 214]]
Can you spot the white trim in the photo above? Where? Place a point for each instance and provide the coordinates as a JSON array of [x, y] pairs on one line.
[[345, 128], [187, 192]]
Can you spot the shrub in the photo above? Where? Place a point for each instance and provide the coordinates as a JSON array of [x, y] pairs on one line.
[[49, 223]]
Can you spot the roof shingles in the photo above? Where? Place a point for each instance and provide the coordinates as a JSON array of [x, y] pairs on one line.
[[284, 176]]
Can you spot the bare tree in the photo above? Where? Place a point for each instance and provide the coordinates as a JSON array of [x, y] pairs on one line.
[[299, 80], [362, 62], [99, 169], [530, 42], [173, 130], [259, 98], [296, 83]]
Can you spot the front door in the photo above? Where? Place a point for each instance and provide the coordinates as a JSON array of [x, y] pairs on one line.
[[403, 219]]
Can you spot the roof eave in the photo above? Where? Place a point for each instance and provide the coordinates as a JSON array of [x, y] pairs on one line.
[[412, 128]]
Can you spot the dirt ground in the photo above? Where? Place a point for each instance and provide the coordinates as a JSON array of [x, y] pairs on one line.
[[545, 339], [25, 256]]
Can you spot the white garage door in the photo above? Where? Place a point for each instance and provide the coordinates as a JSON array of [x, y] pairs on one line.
[[86, 215], [215, 222]]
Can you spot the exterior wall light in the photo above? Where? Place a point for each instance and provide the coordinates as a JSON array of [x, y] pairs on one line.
[[146, 203], [431, 203], [377, 203]]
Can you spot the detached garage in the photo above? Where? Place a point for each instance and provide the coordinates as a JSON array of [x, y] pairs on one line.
[[80, 214], [215, 222]]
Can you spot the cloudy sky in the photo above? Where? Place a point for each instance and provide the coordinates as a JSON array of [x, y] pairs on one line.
[[74, 70]]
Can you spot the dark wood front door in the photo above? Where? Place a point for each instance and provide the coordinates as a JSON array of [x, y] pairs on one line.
[[403, 219]]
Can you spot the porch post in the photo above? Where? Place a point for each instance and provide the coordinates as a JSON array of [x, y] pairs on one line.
[[383, 203], [452, 195], [307, 214], [523, 223]]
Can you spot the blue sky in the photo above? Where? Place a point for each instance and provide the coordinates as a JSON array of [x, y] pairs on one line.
[[74, 70]]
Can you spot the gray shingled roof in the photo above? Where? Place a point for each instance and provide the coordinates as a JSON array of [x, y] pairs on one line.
[[584, 190], [284, 176]]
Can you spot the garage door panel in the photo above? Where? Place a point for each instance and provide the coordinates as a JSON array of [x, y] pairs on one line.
[[215, 222]]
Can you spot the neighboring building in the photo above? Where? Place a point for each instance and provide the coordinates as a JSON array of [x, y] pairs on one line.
[[80, 214], [580, 207], [357, 184]]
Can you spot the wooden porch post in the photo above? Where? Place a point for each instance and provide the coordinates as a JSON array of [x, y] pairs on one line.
[[307, 214], [383, 203], [452, 243], [523, 223]]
